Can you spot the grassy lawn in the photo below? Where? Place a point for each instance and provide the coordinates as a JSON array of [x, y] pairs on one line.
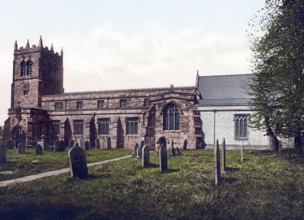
[[267, 185], [30, 163]]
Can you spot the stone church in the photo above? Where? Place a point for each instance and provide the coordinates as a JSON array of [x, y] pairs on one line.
[[117, 118]]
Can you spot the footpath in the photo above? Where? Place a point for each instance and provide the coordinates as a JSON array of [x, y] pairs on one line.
[[53, 173]]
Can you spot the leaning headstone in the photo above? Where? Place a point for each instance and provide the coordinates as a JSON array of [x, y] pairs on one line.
[[139, 150], [78, 163], [39, 149], [163, 160], [146, 156], [185, 144], [224, 154], [21, 148], [87, 145], [97, 143], [136, 150], [10, 144], [2, 153], [217, 163], [81, 142], [71, 144]]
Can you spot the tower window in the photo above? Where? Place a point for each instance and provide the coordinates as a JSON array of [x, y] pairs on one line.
[[55, 127], [26, 89], [29, 68], [79, 104], [23, 68], [240, 127], [123, 103], [78, 127], [146, 102], [103, 125], [58, 105], [171, 117], [100, 104], [132, 125]]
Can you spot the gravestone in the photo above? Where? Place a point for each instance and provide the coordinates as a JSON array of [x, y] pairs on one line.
[[87, 145], [146, 156], [2, 153], [173, 152], [71, 144], [46, 143], [163, 160], [217, 163], [109, 144], [185, 144], [21, 148], [78, 163], [178, 151], [59, 146], [56, 145], [62, 145], [224, 155], [97, 143], [39, 149], [35, 143], [10, 144], [242, 155], [136, 150], [139, 150], [81, 142]]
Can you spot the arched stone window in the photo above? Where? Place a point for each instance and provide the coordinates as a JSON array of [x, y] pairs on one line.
[[171, 118], [241, 122], [29, 69], [23, 68]]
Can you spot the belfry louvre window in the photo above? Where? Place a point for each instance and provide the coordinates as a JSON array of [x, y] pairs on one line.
[[55, 127], [103, 125], [23, 68], [79, 104], [132, 125], [171, 117], [78, 127], [240, 127], [29, 68], [58, 105]]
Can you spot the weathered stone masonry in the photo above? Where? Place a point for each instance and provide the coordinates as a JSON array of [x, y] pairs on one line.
[[118, 118]]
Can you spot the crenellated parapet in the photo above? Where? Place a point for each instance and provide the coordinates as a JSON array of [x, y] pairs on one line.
[[35, 48]]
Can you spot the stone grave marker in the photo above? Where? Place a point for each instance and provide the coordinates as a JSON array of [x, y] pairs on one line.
[[136, 150], [35, 143], [46, 143], [139, 151], [185, 144], [97, 143], [62, 145], [56, 145], [78, 163], [146, 156], [163, 159], [109, 144], [87, 145], [21, 148], [173, 152], [81, 142], [224, 155], [2, 153], [217, 163], [71, 144], [178, 151], [39, 149]]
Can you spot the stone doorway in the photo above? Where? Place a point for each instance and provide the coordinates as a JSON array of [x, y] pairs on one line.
[[67, 132], [19, 136]]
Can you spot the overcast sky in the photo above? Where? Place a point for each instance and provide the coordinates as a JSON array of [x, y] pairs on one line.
[[121, 44]]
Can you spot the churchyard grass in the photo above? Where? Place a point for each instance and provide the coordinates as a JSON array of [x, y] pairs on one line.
[[266, 185], [30, 163]]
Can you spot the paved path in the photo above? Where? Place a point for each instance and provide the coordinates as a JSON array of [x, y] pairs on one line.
[[53, 173]]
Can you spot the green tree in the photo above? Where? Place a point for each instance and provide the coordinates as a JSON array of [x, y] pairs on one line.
[[278, 64]]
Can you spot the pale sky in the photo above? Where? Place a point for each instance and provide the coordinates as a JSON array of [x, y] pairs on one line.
[[122, 44]]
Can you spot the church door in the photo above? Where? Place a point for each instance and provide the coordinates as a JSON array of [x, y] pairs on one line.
[[19, 136]]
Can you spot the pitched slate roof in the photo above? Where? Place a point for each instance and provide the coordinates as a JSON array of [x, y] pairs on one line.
[[225, 89]]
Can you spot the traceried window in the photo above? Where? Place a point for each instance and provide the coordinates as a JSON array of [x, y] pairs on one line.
[[103, 125], [79, 104], [146, 102], [132, 125], [240, 126], [58, 105], [171, 117], [23, 68], [123, 103], [29, 69], [55, 127], [78, 127], [26, 89], [100, 104]]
